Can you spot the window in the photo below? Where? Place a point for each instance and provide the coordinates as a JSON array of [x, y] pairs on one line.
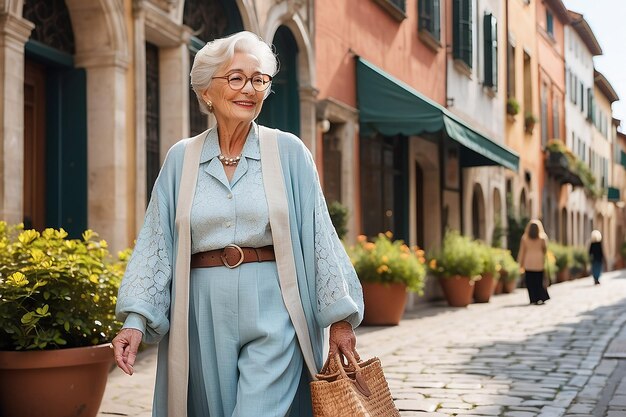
[[574, 90], [582, 97], [462, 31], [590, 105], [550, 23], [544, 115], [396, 8], [556, 133], [429, 17], [510, 70], [490, 28], [153, 162]]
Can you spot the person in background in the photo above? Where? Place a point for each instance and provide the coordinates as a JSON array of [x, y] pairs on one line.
[[531, 257], [597, 256]]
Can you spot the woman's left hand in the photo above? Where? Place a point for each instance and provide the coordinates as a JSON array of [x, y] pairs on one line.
[[342, 340]]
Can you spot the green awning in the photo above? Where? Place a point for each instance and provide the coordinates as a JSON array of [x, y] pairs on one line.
[[623, 158], [613, 194], [391, 107]]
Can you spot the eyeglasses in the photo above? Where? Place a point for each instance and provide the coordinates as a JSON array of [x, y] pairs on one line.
[[238, 80]]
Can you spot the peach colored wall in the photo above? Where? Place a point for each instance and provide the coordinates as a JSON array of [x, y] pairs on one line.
[[521, 26], [551, 58], [363, 27]]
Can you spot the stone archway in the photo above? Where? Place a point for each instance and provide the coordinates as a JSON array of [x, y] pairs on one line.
[[102, 49], [478, 213]]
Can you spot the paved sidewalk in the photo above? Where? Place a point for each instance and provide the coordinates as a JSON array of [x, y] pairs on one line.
[[504, 358]]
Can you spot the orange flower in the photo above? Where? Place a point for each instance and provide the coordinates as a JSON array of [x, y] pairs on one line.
[[382, 268], [419, 253], [405, 248], [432, 264], [423, 260], [385, 258], [361, 238], [369, 246], [389, 234]]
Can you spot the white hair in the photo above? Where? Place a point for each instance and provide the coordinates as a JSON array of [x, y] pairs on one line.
[[219, 53], [596, 236]]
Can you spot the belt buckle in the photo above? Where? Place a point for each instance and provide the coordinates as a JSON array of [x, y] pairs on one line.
[[225, 261]]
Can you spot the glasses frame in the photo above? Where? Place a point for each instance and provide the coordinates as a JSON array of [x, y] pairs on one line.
[[266, 84]]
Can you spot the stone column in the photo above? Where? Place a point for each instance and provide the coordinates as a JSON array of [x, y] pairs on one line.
[[175, 87], [107, 154], [307, 117], [14, 32]]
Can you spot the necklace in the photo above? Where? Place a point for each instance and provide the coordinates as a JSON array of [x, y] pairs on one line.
[[229, 161]]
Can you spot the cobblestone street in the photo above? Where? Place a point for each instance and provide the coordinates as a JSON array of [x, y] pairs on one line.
[[505, 358]]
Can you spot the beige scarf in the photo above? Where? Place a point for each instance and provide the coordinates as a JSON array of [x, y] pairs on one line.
[[273, 181]]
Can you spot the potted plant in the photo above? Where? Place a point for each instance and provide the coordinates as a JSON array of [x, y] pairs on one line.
[[339, 218], [580, 262], [512, 106], [490, 267], [529, 123], [387, 270], [57, 315], [509, 271], [457, 267], [563, 259]]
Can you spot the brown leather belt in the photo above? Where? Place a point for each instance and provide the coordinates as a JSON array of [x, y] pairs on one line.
[[232, 256]]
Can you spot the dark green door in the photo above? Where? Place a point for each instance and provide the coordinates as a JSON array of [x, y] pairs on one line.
[[66, 137], [282, 108]]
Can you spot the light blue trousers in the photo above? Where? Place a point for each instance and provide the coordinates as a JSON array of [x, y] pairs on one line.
[[244, 358]]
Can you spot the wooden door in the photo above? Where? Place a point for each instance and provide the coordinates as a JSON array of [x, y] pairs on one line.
[[34, 146]]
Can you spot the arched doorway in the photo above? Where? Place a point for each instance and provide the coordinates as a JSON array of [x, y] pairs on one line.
[[523, 205], [419, 204], [55, 122], [282, 107], [478, 213], [209, 19], [497, 237], [563, 236]]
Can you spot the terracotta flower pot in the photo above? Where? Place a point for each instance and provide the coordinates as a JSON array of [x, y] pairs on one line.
[[498, 288], [563, 275], [483, 288], [509, 286], [384, 304], [458, 290], [54, 383]]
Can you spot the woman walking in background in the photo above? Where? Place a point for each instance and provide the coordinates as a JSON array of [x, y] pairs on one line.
[[597, 255], [531, 257]]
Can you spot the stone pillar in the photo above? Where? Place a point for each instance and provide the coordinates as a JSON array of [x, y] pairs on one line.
[[107, 154], [175, 87], [307, 117], [14, 32]]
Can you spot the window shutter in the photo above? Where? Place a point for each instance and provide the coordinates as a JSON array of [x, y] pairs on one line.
[[456, 28], [490, 50], [436, 17], [466, 32]]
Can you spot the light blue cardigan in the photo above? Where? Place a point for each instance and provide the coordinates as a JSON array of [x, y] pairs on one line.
[[328, 286]]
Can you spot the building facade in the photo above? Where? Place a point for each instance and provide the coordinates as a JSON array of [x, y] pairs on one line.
[[94, 92]]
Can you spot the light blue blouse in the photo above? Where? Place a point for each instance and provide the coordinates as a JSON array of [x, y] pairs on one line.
[[226, 212]]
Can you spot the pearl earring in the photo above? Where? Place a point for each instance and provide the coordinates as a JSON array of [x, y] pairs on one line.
[[210, 106]]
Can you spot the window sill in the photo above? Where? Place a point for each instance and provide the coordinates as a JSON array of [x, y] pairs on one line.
[[463, 68], [490, 91], [392, 9], [429, 40]]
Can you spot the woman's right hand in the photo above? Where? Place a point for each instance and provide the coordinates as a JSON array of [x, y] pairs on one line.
[[125, 346]]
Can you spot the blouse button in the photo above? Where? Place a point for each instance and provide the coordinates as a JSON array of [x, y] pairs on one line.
[[228, 224], [229, 196]]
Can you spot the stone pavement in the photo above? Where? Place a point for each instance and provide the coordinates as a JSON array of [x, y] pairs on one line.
[[504, 358]]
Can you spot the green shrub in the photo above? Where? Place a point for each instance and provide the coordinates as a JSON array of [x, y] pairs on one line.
[[563, 257], [56, 292], [489, 259], [456, 257], [580, 258], [339, 217], [385, 261]]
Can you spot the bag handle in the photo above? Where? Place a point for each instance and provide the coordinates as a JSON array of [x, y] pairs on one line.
[[335, 362]]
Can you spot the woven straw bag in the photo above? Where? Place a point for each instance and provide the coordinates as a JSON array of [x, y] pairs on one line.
[[355, 390]]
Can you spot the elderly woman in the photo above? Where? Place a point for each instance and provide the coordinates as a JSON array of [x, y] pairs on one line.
[[237, 269], [531, 257]]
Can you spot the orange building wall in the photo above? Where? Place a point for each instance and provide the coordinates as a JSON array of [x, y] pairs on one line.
[[522, 28], [345, 28], [551, 58]]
